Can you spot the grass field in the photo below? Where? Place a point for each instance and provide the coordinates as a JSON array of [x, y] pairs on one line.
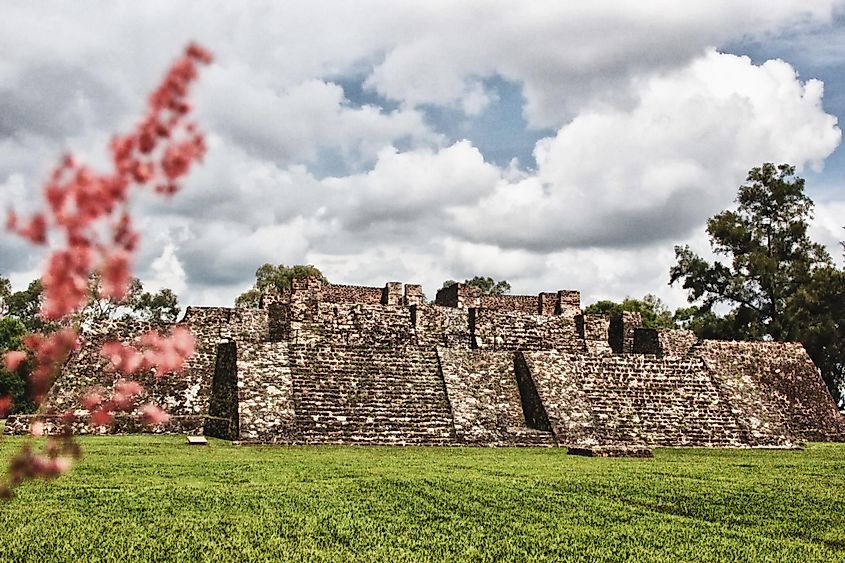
[[156, 499]]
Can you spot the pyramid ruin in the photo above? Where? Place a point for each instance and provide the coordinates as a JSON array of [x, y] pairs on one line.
[[339, 364]]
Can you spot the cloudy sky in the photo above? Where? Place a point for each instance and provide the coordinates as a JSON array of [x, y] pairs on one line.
[[549, 144]]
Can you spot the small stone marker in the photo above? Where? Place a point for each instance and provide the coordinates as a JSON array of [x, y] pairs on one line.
[[197, 441], [611, 451]]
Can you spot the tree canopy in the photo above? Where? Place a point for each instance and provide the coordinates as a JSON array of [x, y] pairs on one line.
[[776, 283], [13, 384], [654, 313], [488, 285], [162, 305], [269, 277]]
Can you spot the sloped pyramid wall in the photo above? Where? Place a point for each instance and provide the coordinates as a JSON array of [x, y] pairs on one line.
[[612, 399], [775, 389], [485, 399]]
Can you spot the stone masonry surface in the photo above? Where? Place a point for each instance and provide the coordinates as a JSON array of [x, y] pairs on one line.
[[341, 364]]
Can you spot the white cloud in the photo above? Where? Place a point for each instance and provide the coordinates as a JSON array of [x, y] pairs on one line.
[[652, 133], [620, 177], [828, 227], [294, 124], [404, 186], [168, 272]]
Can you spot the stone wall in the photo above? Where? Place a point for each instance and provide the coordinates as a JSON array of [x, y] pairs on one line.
[[356, 324], [663, 342], [53, 424], [521, 303], [775, 389], [622, 328], [265, 392], [595, 330], [676, 342], [335, 293], [184, 395], [223, 404], [181, 394], [637, 400], [435, 325], [508, 330], [459, 295], [369, 395], [483, 394], [413, 295]]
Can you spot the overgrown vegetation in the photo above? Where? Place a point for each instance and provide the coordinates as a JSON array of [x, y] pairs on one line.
[[154, 498]]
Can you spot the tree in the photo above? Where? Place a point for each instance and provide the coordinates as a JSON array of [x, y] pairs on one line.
[[777, 282], [5, 293], [488, 285], [13, 382], [25, 305], [136, 303], [276, 278], [654, 313]]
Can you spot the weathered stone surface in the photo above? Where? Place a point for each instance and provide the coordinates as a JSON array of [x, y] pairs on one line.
[[264, 392], [621, 332], [508, 330], [595, 330], [775, 390], [483, 395], [369, 395], [321, 363], [122, 424], [600, 399], [436, 325], [612, 451]]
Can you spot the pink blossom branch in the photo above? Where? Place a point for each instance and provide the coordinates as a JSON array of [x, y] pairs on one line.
[[88, 225]]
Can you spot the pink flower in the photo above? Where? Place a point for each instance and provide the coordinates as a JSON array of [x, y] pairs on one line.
[[86, 216], [92, 400], [101, 417], [13, 359], [6, 404], [61, 465], [115, 275], [36, 428], [124, 358], [128, 388], [153, 415]]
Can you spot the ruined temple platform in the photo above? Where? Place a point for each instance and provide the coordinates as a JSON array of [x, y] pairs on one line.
[[340, 364]]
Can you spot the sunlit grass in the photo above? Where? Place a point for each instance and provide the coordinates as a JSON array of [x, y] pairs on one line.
[[155, 498]]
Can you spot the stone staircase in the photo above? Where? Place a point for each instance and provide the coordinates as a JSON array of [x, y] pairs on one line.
[[368, 395], [658, 401], [637, 399]]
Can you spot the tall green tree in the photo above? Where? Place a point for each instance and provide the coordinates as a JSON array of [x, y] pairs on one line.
[[5, 293], [775, 279], [25, 305], [488, 285], [269, 277], [652, 310]]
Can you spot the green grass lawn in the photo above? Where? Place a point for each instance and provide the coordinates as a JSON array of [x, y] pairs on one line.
[[157, 499]]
